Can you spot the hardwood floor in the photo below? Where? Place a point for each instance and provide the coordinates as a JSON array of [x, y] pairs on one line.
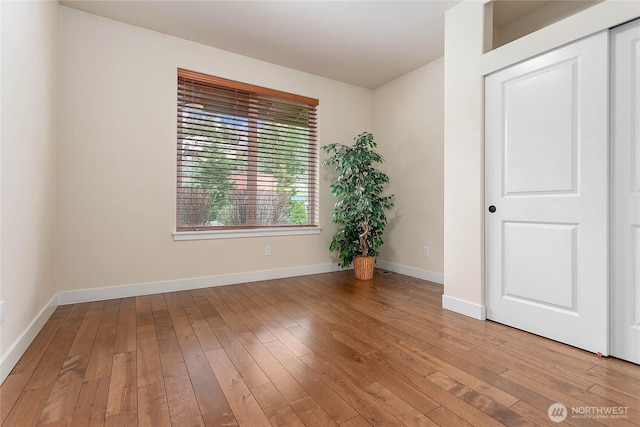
[[321, 350]]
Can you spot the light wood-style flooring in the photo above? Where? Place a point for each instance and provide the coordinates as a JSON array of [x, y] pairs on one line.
[[320, 350]]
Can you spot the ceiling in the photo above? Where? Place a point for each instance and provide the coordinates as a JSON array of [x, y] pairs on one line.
[[365, 43]]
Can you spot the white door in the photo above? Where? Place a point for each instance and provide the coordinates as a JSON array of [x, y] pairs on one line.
[[625, 192], [546, 176]]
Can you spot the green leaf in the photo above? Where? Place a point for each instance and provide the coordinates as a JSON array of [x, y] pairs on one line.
[[359, 186]]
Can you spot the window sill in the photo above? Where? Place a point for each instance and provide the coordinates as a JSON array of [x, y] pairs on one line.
[[238, 234]]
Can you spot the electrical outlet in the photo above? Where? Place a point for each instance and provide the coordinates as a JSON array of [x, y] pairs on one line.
[[1, 312], [267, 250], [425, 251]]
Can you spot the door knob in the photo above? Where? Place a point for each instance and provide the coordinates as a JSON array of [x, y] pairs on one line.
[[492, 209]]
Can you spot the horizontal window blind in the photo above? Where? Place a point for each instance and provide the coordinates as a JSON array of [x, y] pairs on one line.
[[247, 156]]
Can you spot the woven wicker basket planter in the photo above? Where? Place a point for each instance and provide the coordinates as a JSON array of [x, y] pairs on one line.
[[363, 267]]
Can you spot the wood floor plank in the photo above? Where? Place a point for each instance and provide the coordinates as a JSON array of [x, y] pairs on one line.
[[63, 398], [201, 326], [311, 413], [207, 309], [609, 378], [575, 397], [181, 399], [314, 350], [274, 312], [148, 365], [523, 393], [470, 335], [32, 399], [495, 394], [122, 419], [101, 358], [242, 360], [525, 339], [92, 403], [429, 333], [224, 295], [537, 416], [207, 338], [275, 407], [123, 389], [310, 303], [110, 310], [126, 332], [364, 402], [181, 326], [470, 363], [211, 400], [244, 294], [10, 392], [29, 407], [534, 368], [621, 366], [173, 304], [278, 376], [355, 422], [550, 357], [153, 409], [213, 298], [479, 401], [144, 312], [444, 417], [39, 346], [322, 394], [165, 333], [547, 391], [285, 337], [460, 407], [83, 341], [245, 309], [186, 300], [158, 302], [231, 319], [242, 402], [401, 389], [46, 372], [323, 344], [619, 398], [404, 412]]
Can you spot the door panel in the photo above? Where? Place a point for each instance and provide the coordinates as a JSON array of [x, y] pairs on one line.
[[546, 174], [526, 248], [625, 192], [541, 157]]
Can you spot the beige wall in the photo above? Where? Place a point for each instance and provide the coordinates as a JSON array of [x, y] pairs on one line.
[[409, 130], [28, 167], [465, 68], [117, 156], [88, 189]]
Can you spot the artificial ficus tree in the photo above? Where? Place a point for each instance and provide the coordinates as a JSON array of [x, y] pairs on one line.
[[361, 209]]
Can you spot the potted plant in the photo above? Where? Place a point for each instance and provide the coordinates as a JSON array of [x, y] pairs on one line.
[[360, 210]]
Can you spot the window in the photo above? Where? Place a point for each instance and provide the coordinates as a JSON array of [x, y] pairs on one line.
[[247, 156]]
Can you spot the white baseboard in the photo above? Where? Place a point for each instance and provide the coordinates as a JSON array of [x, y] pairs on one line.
[[464, 307], [17, 349], [112, 292], [15, 352], [12, 356], [411, 271]]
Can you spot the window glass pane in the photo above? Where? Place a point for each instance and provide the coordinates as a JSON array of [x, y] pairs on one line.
[[244, 159]]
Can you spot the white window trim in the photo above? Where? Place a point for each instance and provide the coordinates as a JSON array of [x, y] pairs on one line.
[[237, 234]]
